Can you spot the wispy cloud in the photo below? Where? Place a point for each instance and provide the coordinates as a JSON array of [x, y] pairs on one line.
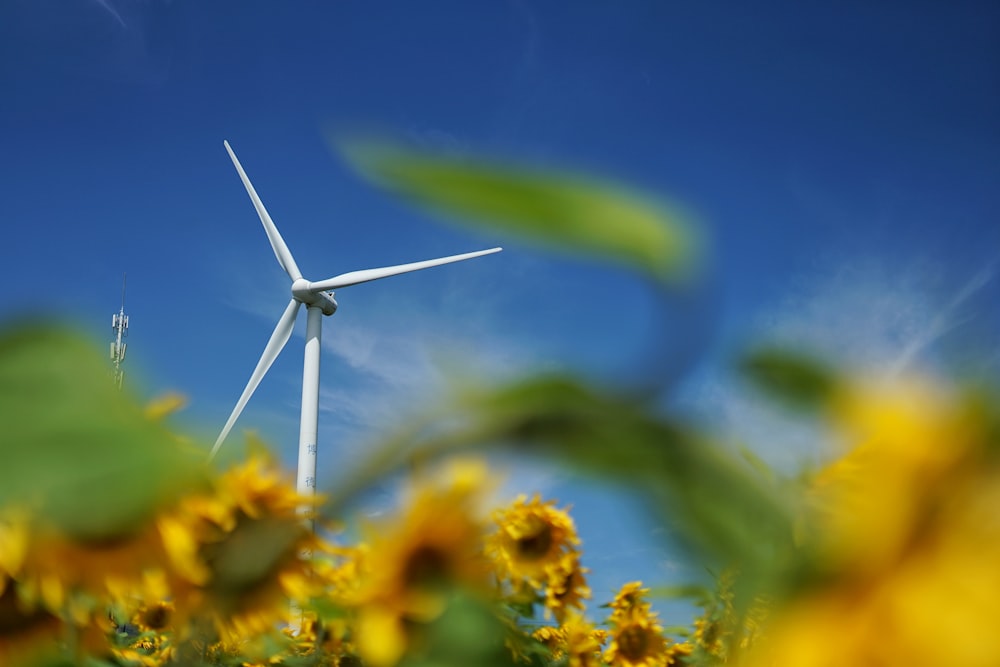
[[867, 316], [394, 373], [383, 360], [947, 318], [110, 9]]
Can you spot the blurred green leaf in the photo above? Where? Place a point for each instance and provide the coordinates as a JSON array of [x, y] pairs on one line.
[[565, 212], [695, 592], [250, 553], [469, 632], [74, 446], [699, 487], [756, 462], [796, 379], [682, 631], [712, 498]]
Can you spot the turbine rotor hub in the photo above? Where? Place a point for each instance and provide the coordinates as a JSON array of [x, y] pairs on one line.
[[303, 293]]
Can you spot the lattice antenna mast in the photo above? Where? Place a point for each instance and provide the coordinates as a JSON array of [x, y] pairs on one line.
[[119, 324]]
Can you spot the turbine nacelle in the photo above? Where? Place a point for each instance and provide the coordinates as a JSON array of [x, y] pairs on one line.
[[304, 292]]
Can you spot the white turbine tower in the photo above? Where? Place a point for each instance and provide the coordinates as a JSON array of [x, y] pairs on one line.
[[318, 300]]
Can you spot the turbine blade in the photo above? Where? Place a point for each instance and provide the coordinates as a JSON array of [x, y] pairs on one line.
[[357, 277], [282, 332], [278, 245]]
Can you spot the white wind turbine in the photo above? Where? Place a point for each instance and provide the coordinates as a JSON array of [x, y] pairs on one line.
[[318, 300]]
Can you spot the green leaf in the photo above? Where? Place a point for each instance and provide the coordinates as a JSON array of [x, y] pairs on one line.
[[794, 378], [469, 632], [715, 500], [73, 446], [692, 591], [562, 211]]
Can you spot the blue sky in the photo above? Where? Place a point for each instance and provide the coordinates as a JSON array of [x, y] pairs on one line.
[[844, 163]]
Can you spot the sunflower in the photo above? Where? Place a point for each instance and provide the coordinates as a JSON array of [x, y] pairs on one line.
[[637, 641], [148, 650], [566, 589], [532, 540], [323, 643], [154, 617], [76, 577], [417, 559], [235, 550], [13, 544], [710, 637], [552, 638], [905, 532], [630, 598], [581, 640], [23, 626], [339, 571], [25, 630], [677, 652]]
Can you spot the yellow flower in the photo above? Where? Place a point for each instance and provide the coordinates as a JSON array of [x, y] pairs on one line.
[[566, 589], [631, 598], [148, 650], [324, 643], [532, 540], [235, 550], [13, 545], [338, 573], [25, 630], [77, 576], [710, 636], [581, 640], [637, 641], [155, 617], [907, 441], [677, 652], [904, 531], [417, 559], [552, 638]]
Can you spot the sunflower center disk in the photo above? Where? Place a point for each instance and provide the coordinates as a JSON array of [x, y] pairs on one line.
[[427, 567], [536, 544], [633, 643]]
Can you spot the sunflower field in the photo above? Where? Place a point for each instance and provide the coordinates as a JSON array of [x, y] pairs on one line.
[[121, 546]]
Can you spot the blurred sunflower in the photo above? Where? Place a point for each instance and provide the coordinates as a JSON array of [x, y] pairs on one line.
[[533, 539], [319, 642], [903, 532], [552, 638], [147, 651], [418, 559], [909, 441], [338, 573], [678, 653], [631, 597], [637, 640], [14, 527], [566, 589], [715, 629], [25, 629], [154, 617], [710, 637], [25, 626], [76, 576], [141, 632], [235, 550], [581, 640]]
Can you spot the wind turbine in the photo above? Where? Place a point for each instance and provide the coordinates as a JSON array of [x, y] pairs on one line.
[[318, 299]]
